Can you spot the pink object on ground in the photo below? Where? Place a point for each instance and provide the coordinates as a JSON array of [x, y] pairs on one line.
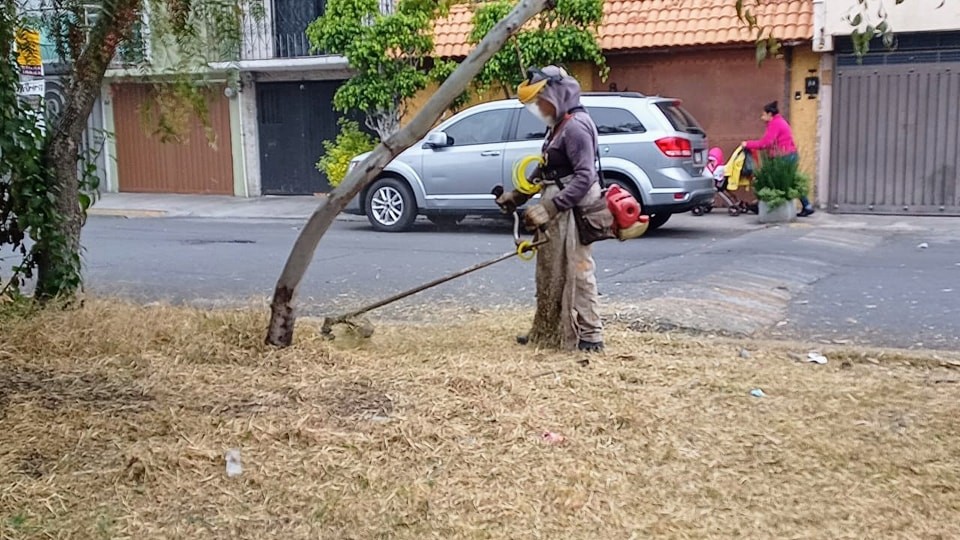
[[550, 437]]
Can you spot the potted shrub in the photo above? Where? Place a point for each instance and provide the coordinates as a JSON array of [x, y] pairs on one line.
[[777, 183]]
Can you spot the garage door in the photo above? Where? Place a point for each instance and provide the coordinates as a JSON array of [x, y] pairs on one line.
[[147, 164], [896, 131]]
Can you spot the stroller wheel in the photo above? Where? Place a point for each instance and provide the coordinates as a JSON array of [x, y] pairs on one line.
[[697, 211], [733, 211]]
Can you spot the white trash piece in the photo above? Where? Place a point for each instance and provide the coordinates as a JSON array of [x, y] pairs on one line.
[[816, 358], [234, 467]]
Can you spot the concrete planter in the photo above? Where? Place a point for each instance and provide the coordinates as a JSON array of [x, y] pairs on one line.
[[785, 213]]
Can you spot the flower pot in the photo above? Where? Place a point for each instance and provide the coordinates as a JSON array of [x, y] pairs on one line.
[[784, 213]]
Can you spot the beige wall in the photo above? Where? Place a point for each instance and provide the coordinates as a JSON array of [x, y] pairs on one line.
[[803, 112], [909, 16]]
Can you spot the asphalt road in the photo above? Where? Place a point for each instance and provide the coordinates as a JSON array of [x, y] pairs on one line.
[[833, 283], [223, 260]]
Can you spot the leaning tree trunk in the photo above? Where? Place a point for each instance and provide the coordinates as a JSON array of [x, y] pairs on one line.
[[282, 316], [58, 256]]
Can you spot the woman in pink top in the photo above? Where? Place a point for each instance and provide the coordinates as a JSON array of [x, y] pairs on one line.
[[778, 141]]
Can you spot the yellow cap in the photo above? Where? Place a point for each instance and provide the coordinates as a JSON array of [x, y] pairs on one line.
[[527, 92]]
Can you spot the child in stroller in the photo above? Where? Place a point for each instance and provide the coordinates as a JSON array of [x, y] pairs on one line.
[[721, 180]]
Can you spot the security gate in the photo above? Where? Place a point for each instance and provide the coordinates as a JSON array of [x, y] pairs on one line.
[[295, 118], [896, 131]]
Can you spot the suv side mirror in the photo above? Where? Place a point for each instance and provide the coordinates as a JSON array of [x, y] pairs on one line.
[[438, 139]]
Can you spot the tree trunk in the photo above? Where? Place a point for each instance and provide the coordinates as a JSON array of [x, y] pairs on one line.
[[282, 316], [58, 258]]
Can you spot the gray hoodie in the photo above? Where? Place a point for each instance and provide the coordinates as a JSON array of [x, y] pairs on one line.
[[573, 148]]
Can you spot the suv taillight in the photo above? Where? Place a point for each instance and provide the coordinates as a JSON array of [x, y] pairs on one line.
[[675, 147]]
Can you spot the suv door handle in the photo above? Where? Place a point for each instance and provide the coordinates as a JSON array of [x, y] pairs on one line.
[[490, 153]]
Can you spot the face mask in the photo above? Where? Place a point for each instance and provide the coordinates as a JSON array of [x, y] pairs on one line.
[[535, 110]]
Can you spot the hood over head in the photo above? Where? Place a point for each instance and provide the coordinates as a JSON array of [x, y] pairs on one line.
[[562, 91], [716, 154]]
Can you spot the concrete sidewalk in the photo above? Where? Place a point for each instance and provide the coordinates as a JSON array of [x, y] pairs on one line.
[[144, 205], [148, 205]]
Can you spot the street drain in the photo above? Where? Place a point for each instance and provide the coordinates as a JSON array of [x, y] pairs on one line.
[[201, 242]]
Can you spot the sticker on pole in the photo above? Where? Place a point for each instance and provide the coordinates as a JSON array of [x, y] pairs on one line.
[[32, 88]]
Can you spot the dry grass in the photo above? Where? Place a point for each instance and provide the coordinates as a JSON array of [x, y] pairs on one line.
[[114, 421]]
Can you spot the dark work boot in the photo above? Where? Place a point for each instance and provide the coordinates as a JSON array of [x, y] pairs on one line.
[[523, 340], [590, 346]]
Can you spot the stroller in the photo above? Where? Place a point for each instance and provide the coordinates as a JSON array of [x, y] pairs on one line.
[[727, 178]]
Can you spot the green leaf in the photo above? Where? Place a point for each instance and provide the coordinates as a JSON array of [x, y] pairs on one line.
[[570, 37], [761, 51], [350, 142]]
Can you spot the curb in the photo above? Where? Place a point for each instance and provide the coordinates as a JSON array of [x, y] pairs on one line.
[[129, 214], [132, 213]]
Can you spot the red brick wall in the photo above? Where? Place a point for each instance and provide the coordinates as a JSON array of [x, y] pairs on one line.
[[723, 88]]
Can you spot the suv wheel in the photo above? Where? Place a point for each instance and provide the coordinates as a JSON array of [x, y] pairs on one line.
[[658, 220], [390, 205]]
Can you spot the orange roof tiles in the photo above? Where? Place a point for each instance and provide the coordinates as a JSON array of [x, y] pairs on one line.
[[642, 24], [450, 33]]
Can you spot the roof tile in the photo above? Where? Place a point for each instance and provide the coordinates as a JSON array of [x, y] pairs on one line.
[[637, 24]]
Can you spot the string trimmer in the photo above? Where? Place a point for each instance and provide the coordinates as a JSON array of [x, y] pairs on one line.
[[524, 249]]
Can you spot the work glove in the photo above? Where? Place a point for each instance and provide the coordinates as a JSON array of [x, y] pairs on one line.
[[539, 214], [510, 200]]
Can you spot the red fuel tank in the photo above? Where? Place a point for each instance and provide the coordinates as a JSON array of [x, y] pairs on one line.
[[625, 209]]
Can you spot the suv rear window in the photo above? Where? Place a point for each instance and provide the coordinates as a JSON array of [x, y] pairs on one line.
[[610, 121], [679, 118]]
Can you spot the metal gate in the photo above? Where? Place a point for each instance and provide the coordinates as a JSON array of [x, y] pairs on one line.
[[294, 120], [896, 134]]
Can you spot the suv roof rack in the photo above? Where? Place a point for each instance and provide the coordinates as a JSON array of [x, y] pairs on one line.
[[620, 94]]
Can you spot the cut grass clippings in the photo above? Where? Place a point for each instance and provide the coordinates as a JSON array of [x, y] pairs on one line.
[[114, 422]]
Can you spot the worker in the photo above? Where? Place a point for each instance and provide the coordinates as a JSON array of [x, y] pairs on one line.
[[569, 179]]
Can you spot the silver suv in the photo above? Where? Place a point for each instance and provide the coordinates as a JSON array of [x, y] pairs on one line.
[[649, 145]]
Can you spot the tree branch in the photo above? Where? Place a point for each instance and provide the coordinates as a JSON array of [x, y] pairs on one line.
[[112, 27]]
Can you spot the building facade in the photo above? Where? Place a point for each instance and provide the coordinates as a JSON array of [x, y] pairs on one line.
[[703, 54], [889, 121], [270, 107]]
